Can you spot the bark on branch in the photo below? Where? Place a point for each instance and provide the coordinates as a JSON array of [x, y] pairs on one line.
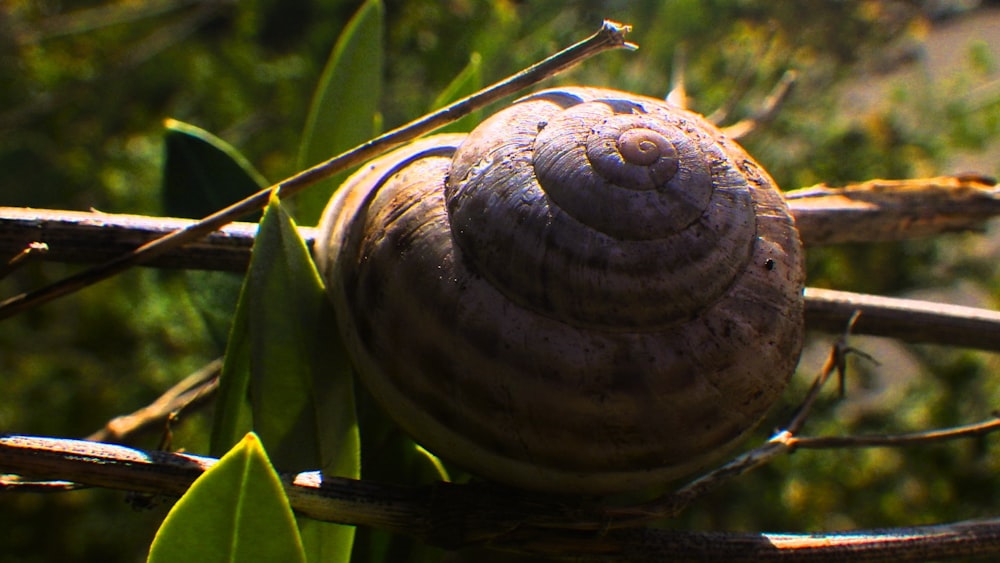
[[453, 516], [866, 212]]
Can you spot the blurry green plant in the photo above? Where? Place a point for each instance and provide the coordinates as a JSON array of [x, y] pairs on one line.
[[241, 72]]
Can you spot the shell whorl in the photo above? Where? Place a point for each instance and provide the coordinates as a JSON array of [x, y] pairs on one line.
[[592, 292], [590, 232]]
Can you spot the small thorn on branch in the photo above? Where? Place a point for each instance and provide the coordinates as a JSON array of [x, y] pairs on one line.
[[30, 252]]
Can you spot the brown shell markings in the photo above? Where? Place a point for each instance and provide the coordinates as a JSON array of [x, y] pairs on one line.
[[592, 292]]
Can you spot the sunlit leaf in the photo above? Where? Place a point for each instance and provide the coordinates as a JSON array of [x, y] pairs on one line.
[[286, 375], [466, 82], [344, 105], [235, 511]]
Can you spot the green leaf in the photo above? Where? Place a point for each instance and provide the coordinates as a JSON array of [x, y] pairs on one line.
[[235, 511], [286, 375], [344, 107], [202, 173], [233, 416], [285, 368], [468, 81]]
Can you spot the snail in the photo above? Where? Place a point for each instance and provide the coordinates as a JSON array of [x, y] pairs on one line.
[[592, 292]]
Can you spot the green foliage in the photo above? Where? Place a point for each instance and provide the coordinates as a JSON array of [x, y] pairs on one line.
[[202, 173], [284, 369], [235, 511], [285, 375], [344, 109], [465, 83], [84, 102]]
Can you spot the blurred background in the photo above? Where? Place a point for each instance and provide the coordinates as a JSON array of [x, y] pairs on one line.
[[887, 89]]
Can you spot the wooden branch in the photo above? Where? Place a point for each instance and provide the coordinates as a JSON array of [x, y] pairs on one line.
[[877, 210], [869, 212], [192, 392], [93, 237], [907, 319], [898, 440], [880, 210], [453, 516]]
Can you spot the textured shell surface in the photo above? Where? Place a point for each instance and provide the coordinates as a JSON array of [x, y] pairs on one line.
[[592, 292]]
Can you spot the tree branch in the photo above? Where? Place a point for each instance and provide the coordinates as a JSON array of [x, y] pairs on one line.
[[879, 210], [912, 320], [93, 237], [873, 211], [453, 516], [191, 392], [876, 210]]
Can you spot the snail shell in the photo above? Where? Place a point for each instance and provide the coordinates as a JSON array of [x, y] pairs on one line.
[[592, 292]]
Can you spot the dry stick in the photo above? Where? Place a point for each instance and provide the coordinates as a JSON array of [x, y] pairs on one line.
[[877, 210], [610, 36], [453, 515], [94, 237], [912, 320], [191, 392], [768, 111], [500, 517], [898, 440]]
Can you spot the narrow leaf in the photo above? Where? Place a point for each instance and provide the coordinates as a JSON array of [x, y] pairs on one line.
[[202, 174], [465, 83], [344, 105], [236, 511], [232, 406], [286, 374]]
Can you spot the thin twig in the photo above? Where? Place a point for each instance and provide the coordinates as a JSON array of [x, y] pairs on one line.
[[877, 210], [768, 110], [192, 391], [610, 36], [836, 362], [14, 483], [453, 516], [899, 440], [673, 503]]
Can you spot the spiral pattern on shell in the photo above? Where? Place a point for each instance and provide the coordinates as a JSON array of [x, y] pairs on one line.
[[592, 292]]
